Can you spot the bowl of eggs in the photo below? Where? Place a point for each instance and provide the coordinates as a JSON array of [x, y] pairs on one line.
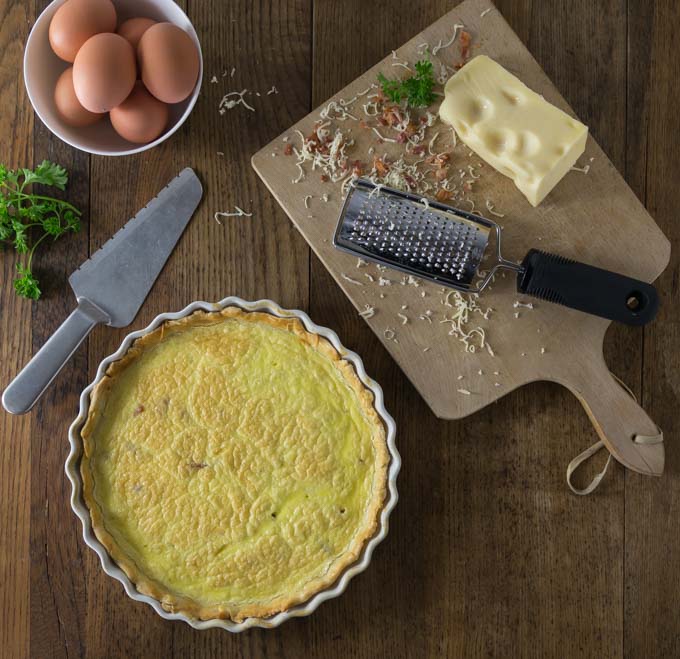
[[113, 77]]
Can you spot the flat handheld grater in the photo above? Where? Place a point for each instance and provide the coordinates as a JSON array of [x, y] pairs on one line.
[[427, 239]]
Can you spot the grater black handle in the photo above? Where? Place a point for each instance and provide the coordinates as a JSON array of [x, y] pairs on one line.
[[586, 288]]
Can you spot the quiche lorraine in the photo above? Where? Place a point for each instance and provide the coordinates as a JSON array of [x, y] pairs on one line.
[[234, 464]]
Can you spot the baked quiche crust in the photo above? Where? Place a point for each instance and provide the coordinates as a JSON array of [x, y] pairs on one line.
[[105, 529]]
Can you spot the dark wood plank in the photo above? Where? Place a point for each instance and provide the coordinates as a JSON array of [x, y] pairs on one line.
[[58, 601], [15, 329], [652, 559], [489, 553], [253, 257]]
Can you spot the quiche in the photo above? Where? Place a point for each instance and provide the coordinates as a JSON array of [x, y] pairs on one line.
[[233, 464]]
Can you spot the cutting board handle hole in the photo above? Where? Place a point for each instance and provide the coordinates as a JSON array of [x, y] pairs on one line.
[[636, 301]]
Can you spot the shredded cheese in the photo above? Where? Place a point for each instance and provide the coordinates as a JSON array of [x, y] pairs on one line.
[[490, 207], [238, 212], [384, 139], [332, 159], [463, 307], [336, 111], [350, 280], [228, 101], [441, 46]]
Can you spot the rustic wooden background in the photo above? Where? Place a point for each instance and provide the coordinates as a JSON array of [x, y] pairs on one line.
[[488, 552]]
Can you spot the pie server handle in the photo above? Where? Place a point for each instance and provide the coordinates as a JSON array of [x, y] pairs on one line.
[[27, 387]]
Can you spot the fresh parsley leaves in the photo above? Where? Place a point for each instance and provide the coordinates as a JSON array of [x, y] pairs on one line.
[[417, 90], [27, 219]]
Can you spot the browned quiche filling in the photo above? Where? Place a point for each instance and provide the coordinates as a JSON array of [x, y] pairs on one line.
[[234, 464]]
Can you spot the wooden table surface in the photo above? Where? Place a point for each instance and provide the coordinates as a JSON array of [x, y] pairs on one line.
[[488, 552]]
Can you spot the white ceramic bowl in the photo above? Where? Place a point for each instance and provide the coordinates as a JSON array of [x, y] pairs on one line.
[[77, 503], [42, 68]]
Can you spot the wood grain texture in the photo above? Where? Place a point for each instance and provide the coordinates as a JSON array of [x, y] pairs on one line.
[[268, 45], [488, 554], [16, 140], [594, 218], [488, 534], [652, 556], [58, 597]]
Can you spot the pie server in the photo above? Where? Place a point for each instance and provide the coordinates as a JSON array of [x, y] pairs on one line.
[[111, 285], [437, 242]]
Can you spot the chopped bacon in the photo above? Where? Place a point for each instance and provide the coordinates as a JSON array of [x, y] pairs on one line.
[[324, 178], [357, 168], [363, 124], [443, 195], [382, 121], [441, 174], [467, 186], [402, 138], [419, 150], [465, 39], [380, 166], [288, 150], [391, 114], [438, 159]]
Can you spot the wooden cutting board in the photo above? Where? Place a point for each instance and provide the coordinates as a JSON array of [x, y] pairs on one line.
[[592, 217]]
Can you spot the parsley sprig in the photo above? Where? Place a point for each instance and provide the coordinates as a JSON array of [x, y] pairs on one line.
[[417, 90], [28, 219]]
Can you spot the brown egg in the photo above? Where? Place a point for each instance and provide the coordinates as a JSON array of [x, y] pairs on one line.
[[68, 105], [168, 60], [78, 20], [104, 72], [134, 28], [140, 118]]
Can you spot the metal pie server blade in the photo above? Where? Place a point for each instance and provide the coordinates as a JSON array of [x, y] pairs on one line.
[[112, 285]]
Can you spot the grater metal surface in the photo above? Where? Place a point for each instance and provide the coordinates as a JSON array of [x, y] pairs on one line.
[[420, 237]]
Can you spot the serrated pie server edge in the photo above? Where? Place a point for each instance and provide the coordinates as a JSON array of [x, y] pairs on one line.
[[34, 379]]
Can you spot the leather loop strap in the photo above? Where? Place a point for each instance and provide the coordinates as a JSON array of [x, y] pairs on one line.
[[578, 461], [595, 448]]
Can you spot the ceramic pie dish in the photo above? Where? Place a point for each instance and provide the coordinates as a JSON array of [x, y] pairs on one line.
[[233, 465]]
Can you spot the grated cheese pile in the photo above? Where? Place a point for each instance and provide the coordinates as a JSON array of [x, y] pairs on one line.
[[464, 306], [326, 151], [408, 149]]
